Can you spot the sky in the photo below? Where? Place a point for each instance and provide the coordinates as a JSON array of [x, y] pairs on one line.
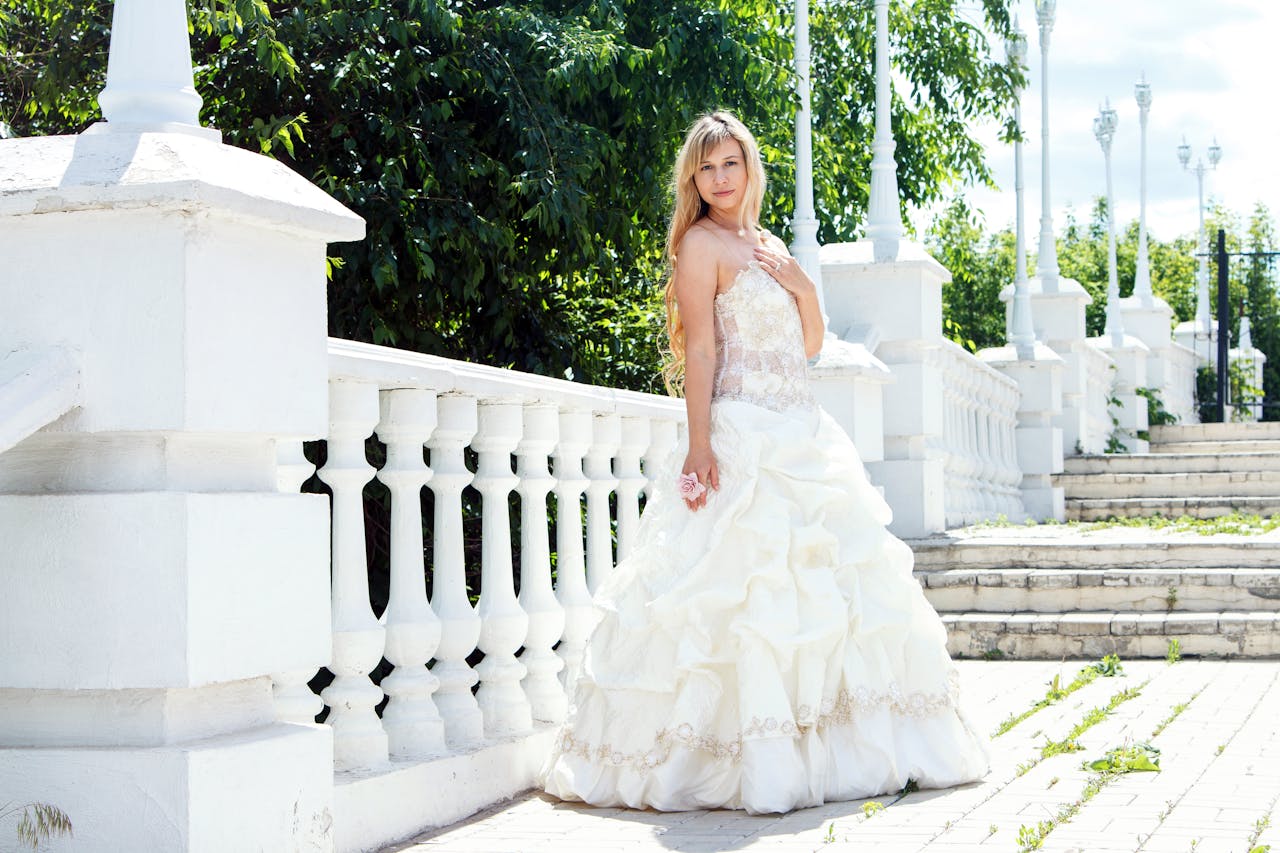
[[1214, 70]]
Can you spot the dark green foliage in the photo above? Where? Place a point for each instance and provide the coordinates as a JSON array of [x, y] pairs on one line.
[[511, 158]]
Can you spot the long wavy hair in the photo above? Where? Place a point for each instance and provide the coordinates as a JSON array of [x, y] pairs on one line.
[[702, 137]]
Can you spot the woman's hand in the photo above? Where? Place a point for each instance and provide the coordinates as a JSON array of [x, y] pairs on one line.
[[701, 463], [786, 270]]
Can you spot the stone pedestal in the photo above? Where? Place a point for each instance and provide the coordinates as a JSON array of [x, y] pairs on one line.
[[1251, 361], [154, 575], [1150, 321], [1058, 314], [1039, 441], [848, 382], [1203, 342], [902, 301], [1130, 416]]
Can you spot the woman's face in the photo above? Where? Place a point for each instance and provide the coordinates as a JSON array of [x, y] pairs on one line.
[[721, 178]]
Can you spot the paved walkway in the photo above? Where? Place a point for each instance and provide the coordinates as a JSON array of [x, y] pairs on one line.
[[1217, 791]]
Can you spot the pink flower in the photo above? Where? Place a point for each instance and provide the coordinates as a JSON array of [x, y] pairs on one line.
[[690, 488]]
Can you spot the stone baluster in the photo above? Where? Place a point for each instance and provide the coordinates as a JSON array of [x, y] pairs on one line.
[[359, 741], [503, 624], [571, 572], [663, 438], [414, 728], [295, 701], [633, 441], [546, 616], [606, 437], [459, 623]]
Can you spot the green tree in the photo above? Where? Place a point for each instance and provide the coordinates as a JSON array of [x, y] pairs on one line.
[[980, 266], [510, 156]]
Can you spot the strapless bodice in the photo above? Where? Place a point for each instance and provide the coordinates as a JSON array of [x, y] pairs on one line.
[[760, 344]]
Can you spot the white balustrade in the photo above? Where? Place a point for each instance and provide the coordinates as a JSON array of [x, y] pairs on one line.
[[413, 725], [606, 437], [359, 741], [664, 435], [571, 572], [295, 701], [459, 623], [633, 441], [503, 623], [977, 446], [546, 617]]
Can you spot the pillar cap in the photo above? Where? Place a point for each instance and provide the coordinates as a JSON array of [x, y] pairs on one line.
[[165, 172]]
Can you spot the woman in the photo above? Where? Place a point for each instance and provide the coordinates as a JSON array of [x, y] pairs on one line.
[[764, 646]]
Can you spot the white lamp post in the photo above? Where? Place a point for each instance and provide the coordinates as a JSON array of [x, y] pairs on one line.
[[1021, 330], [1142, 272], [149, 81], [1104, 129], [1204, 324], [1047, 260], [805, 223], [884, 220]]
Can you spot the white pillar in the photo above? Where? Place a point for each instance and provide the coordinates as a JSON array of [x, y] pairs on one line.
[[1104, 128], [546, 617], [663, 437], [503, 623], [414, 728], [571, 572], [150, 86], [185, 576], [359, 741], [884, 216], [633, 441], [606, 436], [1142, 270], [1047, 259], [459, 623], [295, 701], [804, 224]]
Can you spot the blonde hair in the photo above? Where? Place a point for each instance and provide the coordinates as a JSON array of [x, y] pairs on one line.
[[702, 137]]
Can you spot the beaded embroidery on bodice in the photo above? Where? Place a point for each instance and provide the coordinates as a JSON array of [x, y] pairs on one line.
[[760, 344]]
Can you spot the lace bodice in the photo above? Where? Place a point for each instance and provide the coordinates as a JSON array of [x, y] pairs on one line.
[[760, 344]]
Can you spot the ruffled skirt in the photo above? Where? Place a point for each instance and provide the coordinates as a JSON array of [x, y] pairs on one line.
[[770, 651]]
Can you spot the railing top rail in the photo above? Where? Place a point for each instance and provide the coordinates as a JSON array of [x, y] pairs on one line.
[[396, 368], [959, 355]]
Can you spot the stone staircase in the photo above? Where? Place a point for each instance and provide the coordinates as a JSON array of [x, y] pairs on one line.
[[1204, 470], [1053, 591]]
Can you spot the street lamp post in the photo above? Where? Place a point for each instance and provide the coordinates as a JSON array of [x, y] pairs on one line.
[[1104, 129], [1047, 259], [1203, 324], [805, 224], [1142, 270], [884, 220], [1021, 330]]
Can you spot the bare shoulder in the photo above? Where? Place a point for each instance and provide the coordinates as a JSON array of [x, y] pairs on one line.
[[773, 242], [698, 245], [699, 254]]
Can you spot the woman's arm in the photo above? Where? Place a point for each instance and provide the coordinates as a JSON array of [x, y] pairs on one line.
[[696, 277], [777, 261]]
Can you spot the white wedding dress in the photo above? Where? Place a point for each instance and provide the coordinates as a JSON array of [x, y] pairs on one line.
[[770, 651]]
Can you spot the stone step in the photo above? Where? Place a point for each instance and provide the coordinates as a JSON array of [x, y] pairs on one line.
[[1136, 590], [1044, 636], [1216, 447], [1044, 547], [1170, 463], [1100, 509], [1197, 484], [1268, 431]]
